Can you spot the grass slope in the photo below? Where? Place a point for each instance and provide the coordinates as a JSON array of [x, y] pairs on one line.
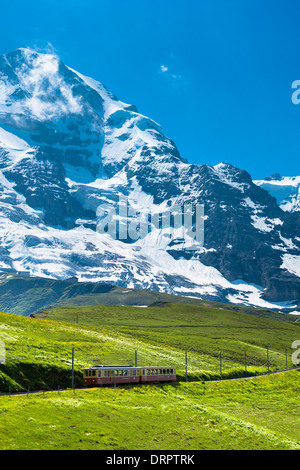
[[24, 296], [256, 414], [39, 349], [202, 331]]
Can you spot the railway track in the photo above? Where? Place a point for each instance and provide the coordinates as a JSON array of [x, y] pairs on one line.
[[38, 392]]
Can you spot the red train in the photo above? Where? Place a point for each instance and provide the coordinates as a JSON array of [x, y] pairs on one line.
[[110, 375]]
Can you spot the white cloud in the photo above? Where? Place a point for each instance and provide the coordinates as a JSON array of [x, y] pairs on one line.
[[176, 79], [49, 94], [164, 69]]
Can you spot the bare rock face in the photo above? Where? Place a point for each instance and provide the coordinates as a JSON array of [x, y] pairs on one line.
[[68, 146]]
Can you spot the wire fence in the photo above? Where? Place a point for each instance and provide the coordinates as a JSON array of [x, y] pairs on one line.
[[189, 365]]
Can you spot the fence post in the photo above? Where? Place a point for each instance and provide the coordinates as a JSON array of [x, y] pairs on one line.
[[73, 368], [186, 366]]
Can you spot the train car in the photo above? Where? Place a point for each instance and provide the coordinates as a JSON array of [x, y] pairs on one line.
[[111, 375]]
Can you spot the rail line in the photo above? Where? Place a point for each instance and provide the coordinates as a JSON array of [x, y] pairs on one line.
[[58, 390]]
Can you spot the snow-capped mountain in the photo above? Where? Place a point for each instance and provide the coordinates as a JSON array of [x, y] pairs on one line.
[[285, 189], [69, 147]]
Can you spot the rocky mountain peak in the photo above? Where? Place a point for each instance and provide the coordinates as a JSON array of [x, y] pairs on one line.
[[69, 147]]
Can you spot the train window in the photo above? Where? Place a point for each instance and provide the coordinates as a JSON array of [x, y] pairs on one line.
[[125, 373], [99, 373], [93, 373], [116, 373], [164, 371], [144, 372], [134, 372], [152, 371], [121, 373], [148, 372]]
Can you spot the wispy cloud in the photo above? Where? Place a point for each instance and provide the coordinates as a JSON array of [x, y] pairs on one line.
[[164, 69], [176, 79], [48, 95], [44, 48]]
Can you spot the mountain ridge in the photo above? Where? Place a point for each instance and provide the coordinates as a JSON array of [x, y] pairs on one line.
[[285, 189], [68, 146]]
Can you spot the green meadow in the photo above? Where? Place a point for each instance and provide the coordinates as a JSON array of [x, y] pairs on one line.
[[202, 413], [166, 331], [254, 414]]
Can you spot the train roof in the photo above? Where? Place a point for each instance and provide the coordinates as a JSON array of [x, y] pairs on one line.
[[129, 367], [111, 367]]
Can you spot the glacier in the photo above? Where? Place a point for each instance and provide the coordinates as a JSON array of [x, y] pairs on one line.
[[69, 146]]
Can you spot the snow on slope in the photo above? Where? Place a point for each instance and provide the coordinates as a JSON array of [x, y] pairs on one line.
[[291, 263], [11, 141], [126, 130], [286, 190], [140, 267], [82, 147], [13, 148]]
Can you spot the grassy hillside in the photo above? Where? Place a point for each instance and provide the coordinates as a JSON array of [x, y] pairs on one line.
[[24, 296], [204, 332], [161, 335], [256, 414]]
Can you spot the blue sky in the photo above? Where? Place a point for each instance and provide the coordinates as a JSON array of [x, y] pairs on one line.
[[215, 74]]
